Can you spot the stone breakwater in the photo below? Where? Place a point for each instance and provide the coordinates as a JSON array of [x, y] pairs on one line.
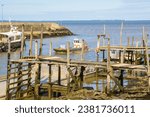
[[50, 29]]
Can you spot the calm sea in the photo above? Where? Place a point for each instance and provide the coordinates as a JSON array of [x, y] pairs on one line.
[[87, 30]]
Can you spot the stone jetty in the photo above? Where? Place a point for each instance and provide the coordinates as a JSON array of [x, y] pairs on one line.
[[50, 29]]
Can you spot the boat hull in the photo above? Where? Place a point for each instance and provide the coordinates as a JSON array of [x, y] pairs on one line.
[[72, 50], [14, 46]]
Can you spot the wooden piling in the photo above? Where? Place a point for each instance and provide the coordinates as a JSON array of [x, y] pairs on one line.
[[40, 52], [133, 41], [50, 74], [97, 79], [8, 70], [128, 41], [50, 48], [31, 38], [143, 39], [98, 46], [36, 49], [59, 75], [68, 53], [147, 60], [22, 42], [82, 51], [68, 83], [121, 77], [41, 40], [68, 66], [81, 76], [108, 66]]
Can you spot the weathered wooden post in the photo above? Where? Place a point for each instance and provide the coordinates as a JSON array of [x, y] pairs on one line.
[[147, 57], [97, 59], [121, 77], [81, 76], [121, 30], [128, 41], [59, 75], [36, 49], [40, 52], [122, 55], [50, 73], [143, 39], [68, 53], [132, 41], [8, 70], [98, 47], [31, 38], [108, 66], [22, 42], [41, 40], [82, 51], [37, 78], [68, 65], [50, 48]]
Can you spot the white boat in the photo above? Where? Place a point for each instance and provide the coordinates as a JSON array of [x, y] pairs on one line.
[[14, 36], [77, 47]]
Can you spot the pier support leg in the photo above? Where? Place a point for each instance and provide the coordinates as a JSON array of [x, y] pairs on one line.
[[81, 77], [59, 75], [121, 77], [50, 74]]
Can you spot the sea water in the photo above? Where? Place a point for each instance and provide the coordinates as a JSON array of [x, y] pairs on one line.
[[87, 30]]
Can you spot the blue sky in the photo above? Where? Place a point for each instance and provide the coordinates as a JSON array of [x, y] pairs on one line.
[[75, 9]]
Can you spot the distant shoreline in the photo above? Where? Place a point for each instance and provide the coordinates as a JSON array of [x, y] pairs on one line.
[[115, 20]]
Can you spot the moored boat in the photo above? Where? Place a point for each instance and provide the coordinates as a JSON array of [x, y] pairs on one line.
[[77, 47], [14, 36]]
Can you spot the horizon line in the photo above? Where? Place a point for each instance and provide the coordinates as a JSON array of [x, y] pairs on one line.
[[74, 20]]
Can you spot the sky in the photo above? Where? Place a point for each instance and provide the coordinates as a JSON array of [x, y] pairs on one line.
[[38, 10]]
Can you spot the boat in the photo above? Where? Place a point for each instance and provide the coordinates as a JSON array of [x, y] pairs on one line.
[[14, 36], [77, 47]]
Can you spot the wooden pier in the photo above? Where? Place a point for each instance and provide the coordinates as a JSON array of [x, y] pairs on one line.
[[22, 84]]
